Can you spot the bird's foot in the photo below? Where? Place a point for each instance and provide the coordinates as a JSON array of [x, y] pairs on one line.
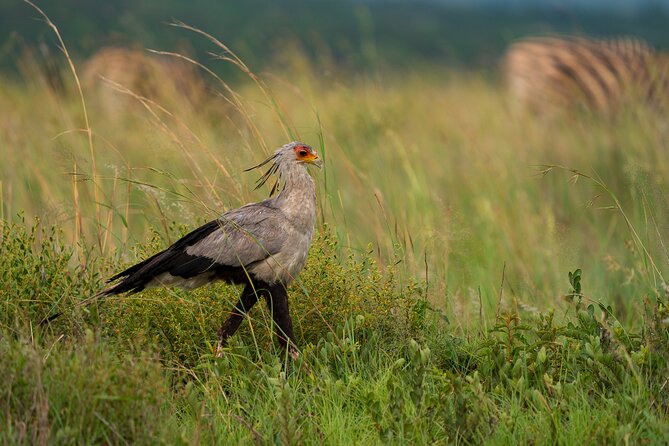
[[220, 349], [293, 353]]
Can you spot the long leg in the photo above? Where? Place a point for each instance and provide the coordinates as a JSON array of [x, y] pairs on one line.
[[277, 301], [246, 301]]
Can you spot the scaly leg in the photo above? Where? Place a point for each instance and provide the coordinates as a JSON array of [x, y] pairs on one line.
[[277, 301], [247, 300]]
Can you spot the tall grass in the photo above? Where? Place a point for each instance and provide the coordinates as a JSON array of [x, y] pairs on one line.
[[436, 208], [431, 166]]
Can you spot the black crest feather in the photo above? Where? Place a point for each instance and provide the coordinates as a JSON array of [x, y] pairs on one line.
[[266, 176]]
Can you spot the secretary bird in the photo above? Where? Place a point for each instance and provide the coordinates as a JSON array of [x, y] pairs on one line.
[[262, 245]]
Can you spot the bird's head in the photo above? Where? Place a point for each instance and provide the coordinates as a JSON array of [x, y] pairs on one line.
[[285, 158], [297, 152]]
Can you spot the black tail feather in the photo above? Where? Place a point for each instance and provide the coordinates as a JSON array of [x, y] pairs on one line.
[[48, 319], [133, 269], [134, 279], [175, 261], [137, 277]]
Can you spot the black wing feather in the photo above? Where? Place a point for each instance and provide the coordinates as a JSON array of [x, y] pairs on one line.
[[173, 260], [222, 249]]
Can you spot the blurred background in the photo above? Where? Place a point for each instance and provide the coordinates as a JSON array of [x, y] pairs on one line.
[[351, 35]]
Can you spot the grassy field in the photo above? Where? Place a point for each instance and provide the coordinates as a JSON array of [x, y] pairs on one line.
[[479, 275]]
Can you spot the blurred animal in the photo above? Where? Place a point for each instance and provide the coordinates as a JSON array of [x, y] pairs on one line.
[[159, 78], [548, 73], [261, 245]]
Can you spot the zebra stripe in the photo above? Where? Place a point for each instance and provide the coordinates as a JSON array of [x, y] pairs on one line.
[[599, 75]]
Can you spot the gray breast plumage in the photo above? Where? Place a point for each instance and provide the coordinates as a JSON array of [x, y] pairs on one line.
[[297, 228], [270, 239]]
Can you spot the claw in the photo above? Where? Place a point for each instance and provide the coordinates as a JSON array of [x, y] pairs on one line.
[[220, 349], [294, 354]]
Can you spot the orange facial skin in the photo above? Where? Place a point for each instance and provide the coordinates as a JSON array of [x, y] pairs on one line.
[[305, 154]]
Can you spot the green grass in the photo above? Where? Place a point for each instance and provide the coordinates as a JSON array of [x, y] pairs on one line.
[[437, 305], [140, 370]]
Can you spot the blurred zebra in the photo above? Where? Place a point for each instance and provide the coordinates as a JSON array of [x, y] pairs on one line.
[[544, 73]]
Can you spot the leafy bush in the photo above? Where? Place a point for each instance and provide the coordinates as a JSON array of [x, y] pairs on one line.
[[78, 394], [38, 276], [331, 290]]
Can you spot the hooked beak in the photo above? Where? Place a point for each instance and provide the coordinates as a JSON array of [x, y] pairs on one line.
[[316, 161]]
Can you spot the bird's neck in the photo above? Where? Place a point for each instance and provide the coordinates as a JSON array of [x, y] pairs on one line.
[[298, 196]]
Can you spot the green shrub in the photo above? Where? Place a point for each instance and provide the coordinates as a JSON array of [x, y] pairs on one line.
[[38, 276], [78, 394], [331, 290]]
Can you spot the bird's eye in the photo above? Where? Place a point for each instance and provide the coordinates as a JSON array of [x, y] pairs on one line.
[[302, 152]]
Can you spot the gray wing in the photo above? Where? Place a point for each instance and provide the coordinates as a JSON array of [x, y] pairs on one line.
[[246, 235]]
